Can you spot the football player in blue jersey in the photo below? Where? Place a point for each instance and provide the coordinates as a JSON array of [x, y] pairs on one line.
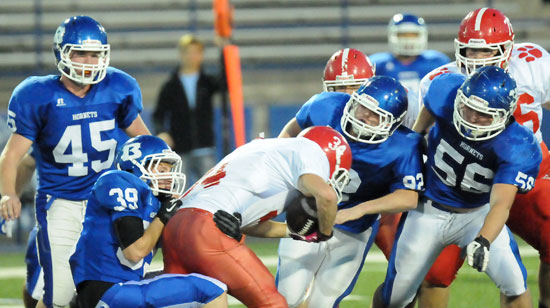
[[386, 176], [72, 121], [408, 60], [126, 213], [476, 165]]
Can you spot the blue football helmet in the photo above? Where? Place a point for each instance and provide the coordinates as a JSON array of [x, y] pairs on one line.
[[407, 45], [142, 155], [384, 96], [81, 33], [490, 91]]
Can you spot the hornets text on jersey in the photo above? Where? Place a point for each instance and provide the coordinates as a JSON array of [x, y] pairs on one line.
[[459, 172], [377, 169]]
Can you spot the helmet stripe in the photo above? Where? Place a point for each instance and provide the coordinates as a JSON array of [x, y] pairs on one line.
[[345, 60], [477, 26]]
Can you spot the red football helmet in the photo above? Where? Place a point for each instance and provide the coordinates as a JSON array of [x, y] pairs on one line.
[[484, 28], [338, 152], [347, 67]]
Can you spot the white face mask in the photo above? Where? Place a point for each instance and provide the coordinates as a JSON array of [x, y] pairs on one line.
[[84, 73], [472, 131], [469, 65], [152, 176]]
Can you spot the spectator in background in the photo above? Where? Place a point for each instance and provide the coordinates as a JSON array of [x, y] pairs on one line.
[[408, 60], [183, 116]]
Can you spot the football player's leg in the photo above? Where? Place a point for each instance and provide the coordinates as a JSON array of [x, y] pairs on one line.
[[507, 271], [418, 243], [386, 232], [34, 284], [530, 214], [434, 291], [544, 285], [202, 248], [168, 290], [298, 263], [341, 268], [60, 223]]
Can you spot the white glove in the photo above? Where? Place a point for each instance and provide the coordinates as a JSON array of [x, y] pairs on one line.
[[6, 227], [478, 253]]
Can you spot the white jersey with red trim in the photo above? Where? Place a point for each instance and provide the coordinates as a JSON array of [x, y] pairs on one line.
[[530, 66], [256, 178]]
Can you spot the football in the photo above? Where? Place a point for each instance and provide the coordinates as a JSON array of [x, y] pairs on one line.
[[301, 215]]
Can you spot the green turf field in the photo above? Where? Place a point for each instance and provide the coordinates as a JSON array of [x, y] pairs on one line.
[[471, 289]]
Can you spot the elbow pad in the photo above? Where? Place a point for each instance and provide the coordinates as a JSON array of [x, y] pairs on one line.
[[128, 229]]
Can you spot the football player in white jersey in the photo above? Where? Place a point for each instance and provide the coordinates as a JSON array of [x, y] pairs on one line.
[[73, 123], [253, 183], [486, 37]]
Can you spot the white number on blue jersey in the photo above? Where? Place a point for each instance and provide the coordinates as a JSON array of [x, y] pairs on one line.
[[72, 136], [524, 181], [128, 199], [449, 177], [353, 185], [414, 183], [11, 121]]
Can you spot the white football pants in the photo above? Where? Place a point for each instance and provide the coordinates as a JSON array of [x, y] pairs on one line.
[[326, 271], [426, 231], [58, 234]]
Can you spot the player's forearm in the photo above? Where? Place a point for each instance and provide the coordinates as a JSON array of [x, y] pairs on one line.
[[325, 199], [424, 120], [398, 201], [145, 244], [502, 198], [8, 175], [269, 228], [326, 214], [494, 222], [24, 173]]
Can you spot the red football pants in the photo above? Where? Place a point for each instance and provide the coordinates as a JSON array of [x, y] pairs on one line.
[[193, 244], [529, 218]]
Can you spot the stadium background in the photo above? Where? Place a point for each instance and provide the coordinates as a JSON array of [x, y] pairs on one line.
[[284, 45]]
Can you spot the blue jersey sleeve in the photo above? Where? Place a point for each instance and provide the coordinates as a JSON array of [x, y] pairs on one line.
[[132, 103], [519, 159], [321, 109], [408, 168], [440, 97], [118, 194], [379, 60], [24, 116]]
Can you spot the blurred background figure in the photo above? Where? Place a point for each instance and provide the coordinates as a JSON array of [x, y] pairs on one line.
[[183, 116], [408, 60]]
